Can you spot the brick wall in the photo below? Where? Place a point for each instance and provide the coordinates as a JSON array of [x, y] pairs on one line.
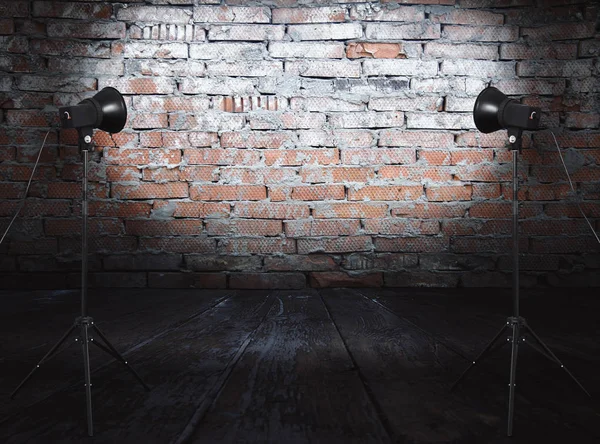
[[277, 144]]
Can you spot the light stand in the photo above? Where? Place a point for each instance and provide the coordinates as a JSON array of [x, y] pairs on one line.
[[106, 103], [489, 116]]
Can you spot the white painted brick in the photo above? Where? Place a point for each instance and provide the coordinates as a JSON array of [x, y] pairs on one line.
[[373, 86], [56, 84], [464, 104], [478, 68], [437, 85], [246, 33], [461, 51], [318, 68], [154, 14], [427, 103], [367, 119], [325, 104], [232, 14], [325, 50], [224, 86], [228, 51], [152, 67], [319, 14], [86, 66], [329, 31], [410, 31], [207, 121], [400, 67], [368, 12], [439, 121], [244, 69], [155, 50]]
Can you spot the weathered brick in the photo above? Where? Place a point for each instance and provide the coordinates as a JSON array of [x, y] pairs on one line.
[[71, 10], [266, 210], [244, 69], [232, 14], [560, 31], [243, 227], [409, 31], [114, 30], [227, 192], [368, 119], [400, 67], [555, 68], [322, 14], [326, 50], [522, 51], [154, 14], [248, 246], [7, 26], [466, 17], [56, 83], [229, 51], [336, 174], [246, 33], [394, 193], [461, 51], [330, 68], [325, 279], [403, 14], [226, 86], [439, 121], [345, 244], [481, 33], [298, 157], [349, 210], [378, 156], [334, 31], [213, 156]]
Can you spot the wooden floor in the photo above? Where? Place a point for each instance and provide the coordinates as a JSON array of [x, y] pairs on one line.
[[312, 366]]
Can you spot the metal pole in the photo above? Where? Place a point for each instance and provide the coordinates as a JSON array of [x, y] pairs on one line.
[[515, 230], [84, 243]]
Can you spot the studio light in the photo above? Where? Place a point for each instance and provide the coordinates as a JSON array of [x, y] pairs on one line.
[[494, 111], [105, 111]]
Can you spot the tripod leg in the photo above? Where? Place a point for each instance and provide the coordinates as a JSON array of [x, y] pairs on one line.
[[44, 359], [513, 375], [85, 348], [113, 352], [553, 357], [478, 358]]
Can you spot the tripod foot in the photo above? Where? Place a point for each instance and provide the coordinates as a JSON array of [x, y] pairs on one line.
[[481, 356], [108, 348]]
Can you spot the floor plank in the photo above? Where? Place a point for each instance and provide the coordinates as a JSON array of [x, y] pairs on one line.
[[295, 383], [180, 366]]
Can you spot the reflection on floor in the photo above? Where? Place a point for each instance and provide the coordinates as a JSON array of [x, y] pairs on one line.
[[311, 366]]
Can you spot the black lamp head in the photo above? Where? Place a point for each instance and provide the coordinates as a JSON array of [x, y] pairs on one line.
[[105, 111], [494, 111]]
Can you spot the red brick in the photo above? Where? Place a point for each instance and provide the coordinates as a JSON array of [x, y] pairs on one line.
[[149, 190], [307, 228], [266, 210], [426, 244], [471, 157], [425, 139], [301, 157], [179, 244], [227, 192], [248, 246], [371, 192], [72, 227], [319, 192], [402, 226], [336, 174], [375, 50], [434, 157], [250, 175], [414, 173], [349, 210], [449, 193], [191, 209], [142, 157], [7, 26], [163, 227], [378, 156], [430, 210], [119, 209], [122, 173], [160, 174], [243, 227], [344, 244], [198, 174]]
